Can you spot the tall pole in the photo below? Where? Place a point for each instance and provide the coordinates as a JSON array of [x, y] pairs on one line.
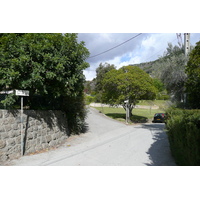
[[22, 126], [187, 43], [187, 51], [127, 113], [22, 93]]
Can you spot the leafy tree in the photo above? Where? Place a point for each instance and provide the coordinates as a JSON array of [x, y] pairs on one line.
[[87, 87], [158, 84], [50, 66], [161, 91], [100, 74], [170, 69], [101, 71], [193, 73], [173, 50], [127, 83]]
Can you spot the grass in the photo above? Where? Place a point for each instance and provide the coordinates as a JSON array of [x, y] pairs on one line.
[[139, 115], [155, 102]]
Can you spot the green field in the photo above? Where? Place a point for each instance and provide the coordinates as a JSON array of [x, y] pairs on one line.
[[155, 102], [139, 115]]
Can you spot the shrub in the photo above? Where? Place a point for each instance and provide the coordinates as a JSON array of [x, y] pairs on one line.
[[183, 129], [89, 99]]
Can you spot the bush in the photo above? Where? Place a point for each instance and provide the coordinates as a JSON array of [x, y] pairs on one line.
[[183, 129], [89, 99]]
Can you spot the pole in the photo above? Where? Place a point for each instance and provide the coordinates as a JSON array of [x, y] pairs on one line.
[[126, 112], [187, 43], [187, 51], [21, 126]]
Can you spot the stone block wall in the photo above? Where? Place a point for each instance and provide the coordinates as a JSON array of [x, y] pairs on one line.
[[41, 130]]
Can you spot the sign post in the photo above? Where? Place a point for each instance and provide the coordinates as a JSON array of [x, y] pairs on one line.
[[127, 113], [22, 93]]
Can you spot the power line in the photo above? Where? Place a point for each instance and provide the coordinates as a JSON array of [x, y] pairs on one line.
[[146, 60], [115, 46]]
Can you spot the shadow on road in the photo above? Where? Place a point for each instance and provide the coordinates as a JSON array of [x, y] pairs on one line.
[[134, 118], [159, 152]]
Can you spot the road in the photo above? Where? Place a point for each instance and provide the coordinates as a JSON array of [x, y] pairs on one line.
[[108, 143]]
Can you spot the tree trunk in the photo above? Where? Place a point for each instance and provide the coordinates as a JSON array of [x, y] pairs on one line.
[[130, 108]]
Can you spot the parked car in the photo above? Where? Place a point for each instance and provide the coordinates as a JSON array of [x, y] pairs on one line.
[[159, 117]]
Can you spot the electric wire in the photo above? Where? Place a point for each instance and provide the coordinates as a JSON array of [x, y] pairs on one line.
[[146, 60], [115, 46]]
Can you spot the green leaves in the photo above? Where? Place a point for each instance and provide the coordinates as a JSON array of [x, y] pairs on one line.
[[128, 82], [42, 63], [193, 80]]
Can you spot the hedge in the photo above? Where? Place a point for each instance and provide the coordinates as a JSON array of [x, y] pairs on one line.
[[183, 129]]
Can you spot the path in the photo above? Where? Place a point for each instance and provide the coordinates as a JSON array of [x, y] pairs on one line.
[[108, 143]]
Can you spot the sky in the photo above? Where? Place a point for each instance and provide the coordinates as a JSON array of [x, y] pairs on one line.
[[142, 48]]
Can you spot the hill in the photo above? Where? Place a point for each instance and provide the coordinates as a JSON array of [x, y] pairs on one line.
[[148, 67]]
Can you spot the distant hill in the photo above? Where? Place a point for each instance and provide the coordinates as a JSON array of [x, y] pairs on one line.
[[148, 67]]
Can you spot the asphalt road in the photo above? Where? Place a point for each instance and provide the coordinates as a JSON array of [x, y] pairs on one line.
[[108, 143]]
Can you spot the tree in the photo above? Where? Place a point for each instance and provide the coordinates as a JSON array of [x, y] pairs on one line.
[[100, 74], [127, 83], [193, 80], [161, 91], [101, 71], [171, 70], [50, 66]]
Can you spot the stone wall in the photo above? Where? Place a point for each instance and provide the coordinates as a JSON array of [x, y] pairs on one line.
[[41, 130]]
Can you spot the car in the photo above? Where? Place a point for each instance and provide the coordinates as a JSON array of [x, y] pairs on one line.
[[159, 117]]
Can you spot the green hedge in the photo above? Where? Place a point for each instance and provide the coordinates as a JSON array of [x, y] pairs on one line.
[[183, 129]]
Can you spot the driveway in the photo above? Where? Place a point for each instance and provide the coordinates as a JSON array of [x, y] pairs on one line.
[[108, 143]]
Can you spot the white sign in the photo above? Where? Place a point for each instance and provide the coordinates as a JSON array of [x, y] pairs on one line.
[[7, 92], [21, 92]]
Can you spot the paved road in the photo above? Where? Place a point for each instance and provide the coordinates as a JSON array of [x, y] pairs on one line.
[[108, 143]]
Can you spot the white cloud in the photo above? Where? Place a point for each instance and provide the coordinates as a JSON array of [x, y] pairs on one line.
[[146, 47], [90, 75]]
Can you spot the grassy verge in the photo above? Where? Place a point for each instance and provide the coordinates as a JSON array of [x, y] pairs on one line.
[[155, 102], [139, 115]]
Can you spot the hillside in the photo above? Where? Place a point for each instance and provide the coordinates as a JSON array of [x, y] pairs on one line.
[[148, 67]]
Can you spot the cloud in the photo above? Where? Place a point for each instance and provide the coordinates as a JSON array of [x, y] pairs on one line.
[[145, 47]]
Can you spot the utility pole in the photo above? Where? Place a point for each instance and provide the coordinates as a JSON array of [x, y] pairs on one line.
[[187, 51], [187, 43]]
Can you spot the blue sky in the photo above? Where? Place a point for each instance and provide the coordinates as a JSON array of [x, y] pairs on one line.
[[145, 47]]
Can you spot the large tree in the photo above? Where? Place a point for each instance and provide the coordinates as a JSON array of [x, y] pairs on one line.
[[127, 83], [101, 71], [171, 70], [50, 66], [100, 74], [193, 80]]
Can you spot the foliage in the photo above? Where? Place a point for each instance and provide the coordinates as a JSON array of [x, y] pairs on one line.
[[162, 92], [158, 84], [172, 71], [100, 74], [87, 87], [127, 83], [89, 99], [193, 73], [50, 66], [101, 71], [183, 129], [173, 76]]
